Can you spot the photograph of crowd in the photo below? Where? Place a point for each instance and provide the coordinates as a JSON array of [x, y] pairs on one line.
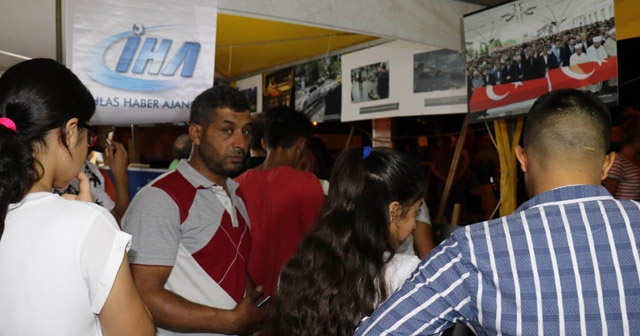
[[526, 40], [370, 82]]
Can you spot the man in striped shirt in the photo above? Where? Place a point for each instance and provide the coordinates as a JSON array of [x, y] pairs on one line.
[[565, 262]]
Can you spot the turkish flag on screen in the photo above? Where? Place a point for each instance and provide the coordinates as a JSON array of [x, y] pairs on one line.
[[574, 76]]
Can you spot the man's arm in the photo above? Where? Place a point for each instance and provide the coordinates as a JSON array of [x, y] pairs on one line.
[[428, 303], [173, 312], [117, 159], [423, 234]]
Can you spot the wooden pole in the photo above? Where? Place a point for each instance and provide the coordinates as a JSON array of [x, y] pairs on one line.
[[452, 171]]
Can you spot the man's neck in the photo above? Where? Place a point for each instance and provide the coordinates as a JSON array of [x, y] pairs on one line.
[[278, 157], [219, 179]]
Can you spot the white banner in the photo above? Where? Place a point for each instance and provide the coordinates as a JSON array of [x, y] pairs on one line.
[[143, 61]]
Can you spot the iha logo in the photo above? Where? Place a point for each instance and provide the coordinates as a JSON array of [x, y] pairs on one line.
[[142, 59]]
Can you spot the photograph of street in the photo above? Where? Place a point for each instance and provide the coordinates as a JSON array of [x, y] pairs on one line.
[[370, 82], [318, 89]]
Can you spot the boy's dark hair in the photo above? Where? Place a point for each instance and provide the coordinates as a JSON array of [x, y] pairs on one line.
[[284, 126]]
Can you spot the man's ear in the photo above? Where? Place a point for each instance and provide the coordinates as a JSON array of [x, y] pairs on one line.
[[195, 133], [521, 155], [263, 143], [72, 131], [608, 162]]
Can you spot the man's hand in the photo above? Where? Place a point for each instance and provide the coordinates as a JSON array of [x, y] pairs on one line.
[[249, 316], [117, 158], [85, 189]]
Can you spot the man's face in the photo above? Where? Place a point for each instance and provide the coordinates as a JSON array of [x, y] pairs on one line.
[[224, 143]]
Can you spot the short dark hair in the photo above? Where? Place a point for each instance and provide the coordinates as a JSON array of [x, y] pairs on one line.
[[220, 96], [257, 131], [568, 121], [284, 126]]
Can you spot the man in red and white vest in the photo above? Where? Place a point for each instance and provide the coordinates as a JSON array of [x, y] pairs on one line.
[[190, 227]]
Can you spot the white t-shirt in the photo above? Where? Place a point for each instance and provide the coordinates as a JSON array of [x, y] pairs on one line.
[[97, 183], [398, 269], [58, 262]]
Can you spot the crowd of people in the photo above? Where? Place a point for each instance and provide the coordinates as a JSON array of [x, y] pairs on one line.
[[258, 231], [533, 59]]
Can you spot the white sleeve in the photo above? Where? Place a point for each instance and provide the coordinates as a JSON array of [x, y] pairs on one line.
[[399, 269], [423, 214], [101, 255]]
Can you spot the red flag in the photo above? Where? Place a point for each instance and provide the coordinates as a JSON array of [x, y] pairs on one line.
[[488, 97], [579, 75], [574, 76]]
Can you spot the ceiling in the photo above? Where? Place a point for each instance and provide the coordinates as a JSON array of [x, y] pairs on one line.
[[247, 45], [244, 45]]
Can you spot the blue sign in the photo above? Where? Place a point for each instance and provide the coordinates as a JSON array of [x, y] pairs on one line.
[[150, 59]]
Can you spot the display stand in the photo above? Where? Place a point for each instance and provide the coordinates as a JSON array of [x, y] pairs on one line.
[[508, 132]]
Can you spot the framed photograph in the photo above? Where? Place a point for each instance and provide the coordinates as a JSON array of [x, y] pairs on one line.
[[370, 82], [517, 51]]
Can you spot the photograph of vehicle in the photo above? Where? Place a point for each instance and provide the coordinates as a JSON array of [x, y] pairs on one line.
[[307, 98], [318, 90], [438, 70]]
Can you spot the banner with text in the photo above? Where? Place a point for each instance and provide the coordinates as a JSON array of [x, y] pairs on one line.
[[144, 62]]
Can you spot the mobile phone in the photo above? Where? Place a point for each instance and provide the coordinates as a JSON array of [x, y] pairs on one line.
[[109, 138], [261, 303]]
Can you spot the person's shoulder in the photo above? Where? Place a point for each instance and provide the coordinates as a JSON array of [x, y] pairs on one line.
[[79, 213], [405, 259]]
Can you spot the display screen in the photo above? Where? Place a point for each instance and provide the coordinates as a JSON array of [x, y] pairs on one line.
[[517, 51]]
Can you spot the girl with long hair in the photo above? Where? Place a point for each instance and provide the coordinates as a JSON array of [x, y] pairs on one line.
[[345, 265], [63, 263]]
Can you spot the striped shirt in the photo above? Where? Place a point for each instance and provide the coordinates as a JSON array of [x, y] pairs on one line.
[[565, 262], [628, 176]]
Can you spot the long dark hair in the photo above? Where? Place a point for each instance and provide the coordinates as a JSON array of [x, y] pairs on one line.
[[335, 278], [38, 95]]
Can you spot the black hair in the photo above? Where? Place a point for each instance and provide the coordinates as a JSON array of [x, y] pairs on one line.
[[257, 131], [182, 146], [568, 121], [38, 95], [220, 96], [284, 126], [336, 276]]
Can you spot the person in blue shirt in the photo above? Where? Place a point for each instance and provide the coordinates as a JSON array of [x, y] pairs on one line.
[[566, 262]]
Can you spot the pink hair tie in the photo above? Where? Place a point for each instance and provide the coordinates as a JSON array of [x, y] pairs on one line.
[[8, 123]]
